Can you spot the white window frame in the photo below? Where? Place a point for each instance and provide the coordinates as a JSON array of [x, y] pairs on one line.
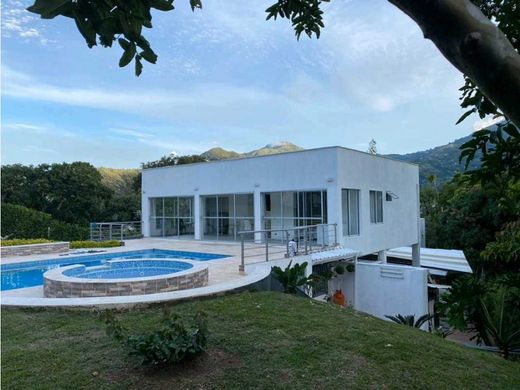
[[346, 213], [376, 216]]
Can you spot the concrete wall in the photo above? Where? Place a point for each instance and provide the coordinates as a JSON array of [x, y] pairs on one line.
[[308, 170], [383, 289], [34, 249], [365, 172], [329, 169]]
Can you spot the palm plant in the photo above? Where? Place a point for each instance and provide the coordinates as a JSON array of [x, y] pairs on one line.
[[409, 320], [500, 320], [291, 278]]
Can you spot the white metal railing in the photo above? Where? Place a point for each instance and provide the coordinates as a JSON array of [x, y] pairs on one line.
[[102, 231], [275, 243]]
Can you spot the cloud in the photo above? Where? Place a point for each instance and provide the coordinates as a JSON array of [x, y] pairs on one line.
[[17, 22], [131, 132], [24, 127], [486, 122]]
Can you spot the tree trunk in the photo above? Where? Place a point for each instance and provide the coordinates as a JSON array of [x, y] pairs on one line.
[[474, 45]]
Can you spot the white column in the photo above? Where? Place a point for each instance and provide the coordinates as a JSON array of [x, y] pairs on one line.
[[334, 209], [381, 256], [196, 216], [416, 255], [145, 215], [257, 201]]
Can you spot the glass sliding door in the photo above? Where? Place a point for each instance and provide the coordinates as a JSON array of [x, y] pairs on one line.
[[171, 216], [285, 210], [224, 216]]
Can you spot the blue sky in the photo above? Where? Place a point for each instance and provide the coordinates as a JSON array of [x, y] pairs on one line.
[[225, 77]]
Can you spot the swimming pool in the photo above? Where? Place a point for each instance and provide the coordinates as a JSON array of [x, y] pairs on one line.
[[30, 273]]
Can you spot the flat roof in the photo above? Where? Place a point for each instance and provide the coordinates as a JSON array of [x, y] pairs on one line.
[[283, 153], [445, 259]]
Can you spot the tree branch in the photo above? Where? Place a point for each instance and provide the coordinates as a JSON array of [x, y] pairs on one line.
[[474, 45]]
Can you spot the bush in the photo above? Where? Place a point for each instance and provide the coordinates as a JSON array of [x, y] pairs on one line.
[[22, 222], [291, 278], [24, 241], [94, 244], [172, 343], [488, 309]]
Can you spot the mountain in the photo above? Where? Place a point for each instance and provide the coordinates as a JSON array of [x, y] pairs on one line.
[[219, 154], [223, 154], [441, 161], [120, 180]]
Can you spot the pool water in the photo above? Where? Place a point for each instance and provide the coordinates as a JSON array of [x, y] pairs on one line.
[[129, 269], [30, 273]]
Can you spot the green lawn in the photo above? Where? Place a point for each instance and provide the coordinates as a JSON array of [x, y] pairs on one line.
[[258, 340]]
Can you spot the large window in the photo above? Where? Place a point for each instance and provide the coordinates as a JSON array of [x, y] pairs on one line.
[[282, 210], [171, 216], [223, 216], [376, 206], [350, 211]]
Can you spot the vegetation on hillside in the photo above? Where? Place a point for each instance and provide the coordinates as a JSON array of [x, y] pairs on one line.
[[21, 222], [256, 340]]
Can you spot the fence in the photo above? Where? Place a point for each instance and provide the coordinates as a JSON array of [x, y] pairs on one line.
[[102, 231], [265, 245]]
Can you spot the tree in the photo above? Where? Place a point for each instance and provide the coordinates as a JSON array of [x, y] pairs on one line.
[[462, 31], [173, 159], [72, 192]]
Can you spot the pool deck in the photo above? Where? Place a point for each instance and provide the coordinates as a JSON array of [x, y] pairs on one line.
[[223, 273]]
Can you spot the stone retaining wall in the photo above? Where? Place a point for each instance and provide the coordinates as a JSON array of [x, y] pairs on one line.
[[67, 289], [34, 249]]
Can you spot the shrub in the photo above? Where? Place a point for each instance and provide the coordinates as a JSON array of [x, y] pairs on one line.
[[22, 222], [291, 278], [94, 244], [409, 320], [173, 342], [24, 241], [488, 309]]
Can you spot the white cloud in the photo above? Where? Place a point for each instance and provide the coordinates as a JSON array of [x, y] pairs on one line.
[[24, 127], [486, 122], [17, 22]]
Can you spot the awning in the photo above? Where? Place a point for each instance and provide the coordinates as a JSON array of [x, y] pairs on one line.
[[444, 259], [333, 255]]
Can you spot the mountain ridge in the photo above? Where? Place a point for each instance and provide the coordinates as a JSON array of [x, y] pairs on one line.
[[441, 161]]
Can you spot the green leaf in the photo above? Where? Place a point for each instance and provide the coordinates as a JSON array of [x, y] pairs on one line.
[[149, 56], [128, 55], [161, 5], [138, 66], [465, 115], [195, 4], [86, 29], [47, 8], [125, 45]]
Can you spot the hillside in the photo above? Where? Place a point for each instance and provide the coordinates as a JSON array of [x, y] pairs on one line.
[[119, 180], [441, 161], [256, 341], [219, 154], [223, 154]]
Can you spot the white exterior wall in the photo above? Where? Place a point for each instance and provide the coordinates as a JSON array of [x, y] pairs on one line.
[[383, 289], [329, 169], [362, 171]]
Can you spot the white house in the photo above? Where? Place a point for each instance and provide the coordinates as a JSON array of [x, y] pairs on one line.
[[374, 200]]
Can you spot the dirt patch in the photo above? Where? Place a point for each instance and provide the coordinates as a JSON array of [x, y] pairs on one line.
[[199, 373]]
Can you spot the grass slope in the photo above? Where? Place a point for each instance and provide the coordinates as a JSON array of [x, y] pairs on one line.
[[258, 340]]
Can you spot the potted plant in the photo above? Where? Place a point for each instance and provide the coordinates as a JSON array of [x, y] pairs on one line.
[[339, 298]]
